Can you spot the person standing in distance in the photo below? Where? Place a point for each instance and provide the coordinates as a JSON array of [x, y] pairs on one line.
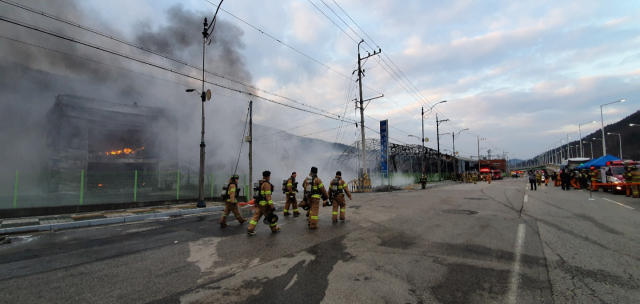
[[264, 206], [532, 181]]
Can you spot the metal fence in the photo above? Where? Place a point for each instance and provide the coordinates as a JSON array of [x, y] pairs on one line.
[[28, 189]]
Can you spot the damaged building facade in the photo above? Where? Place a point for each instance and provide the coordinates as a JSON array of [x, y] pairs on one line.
[[105, 138]]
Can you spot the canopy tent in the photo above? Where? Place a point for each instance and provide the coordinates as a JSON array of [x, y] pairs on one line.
[[598, 162]]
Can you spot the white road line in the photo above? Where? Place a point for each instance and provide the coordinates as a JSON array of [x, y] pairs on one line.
[[526, 198], [295, 277], [515, 274], [623, 205]]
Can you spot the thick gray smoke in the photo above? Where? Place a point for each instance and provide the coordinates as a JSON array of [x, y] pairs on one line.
[[32, 77]]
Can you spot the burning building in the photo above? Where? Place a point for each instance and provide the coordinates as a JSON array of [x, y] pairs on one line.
[[100, 136]]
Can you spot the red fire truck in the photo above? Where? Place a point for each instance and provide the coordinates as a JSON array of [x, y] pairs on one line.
[[614, 171]]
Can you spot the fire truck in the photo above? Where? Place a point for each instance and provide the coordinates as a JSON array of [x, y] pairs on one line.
[[614, 171]]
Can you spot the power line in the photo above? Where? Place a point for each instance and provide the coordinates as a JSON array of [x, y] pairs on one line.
[[332, 21], [148, 50], [61, 36]]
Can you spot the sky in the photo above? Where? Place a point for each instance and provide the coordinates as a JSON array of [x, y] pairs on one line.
[[521, 74]]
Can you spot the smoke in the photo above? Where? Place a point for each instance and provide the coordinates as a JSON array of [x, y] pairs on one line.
[[32, 77]]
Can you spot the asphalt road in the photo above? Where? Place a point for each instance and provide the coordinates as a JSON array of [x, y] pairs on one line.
[[462, 243]]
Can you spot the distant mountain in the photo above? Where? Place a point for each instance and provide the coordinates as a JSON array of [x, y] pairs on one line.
[[514, 161]]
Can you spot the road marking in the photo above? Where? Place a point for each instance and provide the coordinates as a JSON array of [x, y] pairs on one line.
[[515, 276], [526, 198], [295, 277], [623, 205]]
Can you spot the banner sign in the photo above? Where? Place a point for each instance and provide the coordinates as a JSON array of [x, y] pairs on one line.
[[384, 147]]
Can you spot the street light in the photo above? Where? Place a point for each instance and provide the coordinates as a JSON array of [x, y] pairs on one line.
[[422, 120], [604, 146], [620, 139], [634, 125], [569, 152], [586, 123]]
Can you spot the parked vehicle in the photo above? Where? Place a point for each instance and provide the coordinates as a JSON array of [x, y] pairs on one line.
[[614, 171]]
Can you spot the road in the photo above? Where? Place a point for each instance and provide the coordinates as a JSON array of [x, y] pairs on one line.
[[461, 243]]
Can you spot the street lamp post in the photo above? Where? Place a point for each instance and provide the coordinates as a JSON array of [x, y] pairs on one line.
[[568, 151], [604, 146], [422, 120], [206, 33], [620, 139], [454, 147], [586, 123]]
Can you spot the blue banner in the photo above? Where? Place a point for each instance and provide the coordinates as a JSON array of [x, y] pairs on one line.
[[384, 147]]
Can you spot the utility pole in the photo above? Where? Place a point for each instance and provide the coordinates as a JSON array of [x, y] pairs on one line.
[[423, 154], [479, 152], [250, 140], [438, 135], [454, 146], [360, 75]]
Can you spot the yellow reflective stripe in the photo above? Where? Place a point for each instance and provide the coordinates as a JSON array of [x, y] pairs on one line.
[[253, 222], [267, 192], [335, 212], [289, 184], [314, 217], [232, 190], [273, 224], [321, 185], [262, 192], [315, 187], [285, 210], [225, 215], [270, 202], [340, 187], [295, 210], [263, 203], [343, 210], [315, 195]]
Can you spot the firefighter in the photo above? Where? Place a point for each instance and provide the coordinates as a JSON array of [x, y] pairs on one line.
[[538, 178], [338, 189], [423, 181], [583, 178], [231, 203], [556, 179], [574, 180], [627, 179], [489, 178], [292, 188], [635, 178], [264, 206], [316, 191], [594, 179]]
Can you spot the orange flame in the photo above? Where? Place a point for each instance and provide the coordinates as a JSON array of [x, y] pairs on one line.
[[125, 151], [99, 185]]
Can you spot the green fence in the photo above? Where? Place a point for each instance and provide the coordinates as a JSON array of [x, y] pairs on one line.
[[28, 189]]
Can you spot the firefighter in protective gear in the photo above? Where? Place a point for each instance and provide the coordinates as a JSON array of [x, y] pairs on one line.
[[423, 181], [337, 191], [316, 192], [574, 181], [264, 205], [556, 179], [292, 188], [627, 179], [635, 178], [489, 178], [594, 179], [231, 203], [475, 178], [538, 178]]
